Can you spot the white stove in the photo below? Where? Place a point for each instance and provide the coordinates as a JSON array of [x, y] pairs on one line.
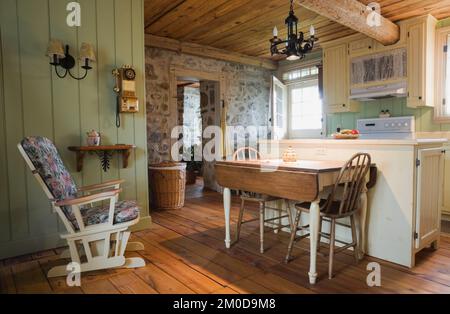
[[387, 128]]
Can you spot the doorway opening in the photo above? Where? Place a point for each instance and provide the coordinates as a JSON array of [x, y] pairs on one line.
[[197, 108]]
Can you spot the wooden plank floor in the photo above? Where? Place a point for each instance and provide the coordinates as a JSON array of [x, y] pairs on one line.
[[184, 252]]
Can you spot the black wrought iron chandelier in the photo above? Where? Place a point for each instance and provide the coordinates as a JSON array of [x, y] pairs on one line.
[[296, 46]]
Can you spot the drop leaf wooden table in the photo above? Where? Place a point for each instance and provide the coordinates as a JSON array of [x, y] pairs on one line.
[[105, 154], [297, 181]]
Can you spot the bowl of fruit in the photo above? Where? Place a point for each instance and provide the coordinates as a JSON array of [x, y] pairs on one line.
[[346, 135]]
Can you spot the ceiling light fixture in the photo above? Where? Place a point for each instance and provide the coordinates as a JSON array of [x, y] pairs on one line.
[[296, 46]]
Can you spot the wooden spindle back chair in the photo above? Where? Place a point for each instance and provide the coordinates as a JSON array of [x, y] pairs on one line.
[[343, 201], [251, 154], [349, 184]]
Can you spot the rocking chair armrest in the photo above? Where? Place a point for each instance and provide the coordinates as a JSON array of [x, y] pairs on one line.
[[89, 198], [101, 186]]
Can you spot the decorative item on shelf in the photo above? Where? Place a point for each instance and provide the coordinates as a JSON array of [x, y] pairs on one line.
[[385, 114], [93, 138], [296, 46], [60, 57], [290, 155], [105, 153]]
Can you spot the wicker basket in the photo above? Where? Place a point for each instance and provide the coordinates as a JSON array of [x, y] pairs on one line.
[[167, 185]]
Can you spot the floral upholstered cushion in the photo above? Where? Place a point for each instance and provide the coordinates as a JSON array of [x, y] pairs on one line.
[[124, 211], [47, 161]]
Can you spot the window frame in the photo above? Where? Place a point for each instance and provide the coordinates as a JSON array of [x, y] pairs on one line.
[[300, 134], [442, 40]]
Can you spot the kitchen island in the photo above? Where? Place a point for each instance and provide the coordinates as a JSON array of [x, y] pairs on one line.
[[404, 207]]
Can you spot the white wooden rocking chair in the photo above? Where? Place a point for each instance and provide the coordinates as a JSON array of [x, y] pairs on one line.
[[97, 236]]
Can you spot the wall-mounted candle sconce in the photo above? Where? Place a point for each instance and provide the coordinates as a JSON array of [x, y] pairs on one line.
[[61, 57]]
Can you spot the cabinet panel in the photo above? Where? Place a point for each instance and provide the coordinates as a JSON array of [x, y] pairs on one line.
[[361, 46], [429, 196], [421, 47], [446, 205], [336, 80], [415, 65]]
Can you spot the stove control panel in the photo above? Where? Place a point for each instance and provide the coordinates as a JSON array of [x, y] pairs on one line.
[[387, 125]]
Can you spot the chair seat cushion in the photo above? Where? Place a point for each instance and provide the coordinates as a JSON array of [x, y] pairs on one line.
[[125, 211]]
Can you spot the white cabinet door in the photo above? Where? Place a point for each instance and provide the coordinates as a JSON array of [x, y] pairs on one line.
[[446, 205], [429, 195], [421, 47], [335, 86]]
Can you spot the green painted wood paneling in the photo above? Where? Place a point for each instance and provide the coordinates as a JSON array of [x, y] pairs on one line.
[[140, 119], [13, 120], [106, 62], [124, 55], [4, 189], [36, 101], [33, 101], [88, 92]]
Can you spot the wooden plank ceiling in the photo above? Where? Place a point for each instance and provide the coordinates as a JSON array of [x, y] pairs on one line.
[[245, 26]]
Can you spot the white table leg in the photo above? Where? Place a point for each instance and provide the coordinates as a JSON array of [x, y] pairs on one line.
[[227, 207], [314, 218], [361, 220]]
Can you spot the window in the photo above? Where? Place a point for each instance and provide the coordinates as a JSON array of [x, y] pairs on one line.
[[302, 73], [304, 103], [442, 108], [305, 109]]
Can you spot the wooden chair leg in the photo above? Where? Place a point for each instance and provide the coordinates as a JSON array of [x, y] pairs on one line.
[[354, 238], [262, 214], [293, 234], [278, 221], [332, 241], [239, 223], [289, 213]]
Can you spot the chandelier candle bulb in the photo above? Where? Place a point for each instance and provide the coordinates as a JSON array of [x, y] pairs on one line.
[[275, 32], [312, 31]]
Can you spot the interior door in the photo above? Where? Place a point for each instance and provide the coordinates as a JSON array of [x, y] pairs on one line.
[[279, 109], [429, 195]]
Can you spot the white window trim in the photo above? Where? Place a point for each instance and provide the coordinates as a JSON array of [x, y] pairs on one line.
[[442, 35], [298, 134]]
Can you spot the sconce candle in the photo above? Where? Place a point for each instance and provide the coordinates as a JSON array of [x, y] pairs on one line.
[[87, 55], [55, 51], [62, 58]]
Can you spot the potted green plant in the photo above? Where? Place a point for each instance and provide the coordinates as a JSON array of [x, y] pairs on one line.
[[193, 168]]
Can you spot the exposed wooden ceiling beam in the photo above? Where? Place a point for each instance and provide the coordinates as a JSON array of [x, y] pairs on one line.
[[206, 51], [353, 14]]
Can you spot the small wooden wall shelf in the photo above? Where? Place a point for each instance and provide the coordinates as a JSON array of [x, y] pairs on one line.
[[105, 153]]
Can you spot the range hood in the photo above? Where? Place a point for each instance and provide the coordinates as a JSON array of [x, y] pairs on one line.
[[382, 91]]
